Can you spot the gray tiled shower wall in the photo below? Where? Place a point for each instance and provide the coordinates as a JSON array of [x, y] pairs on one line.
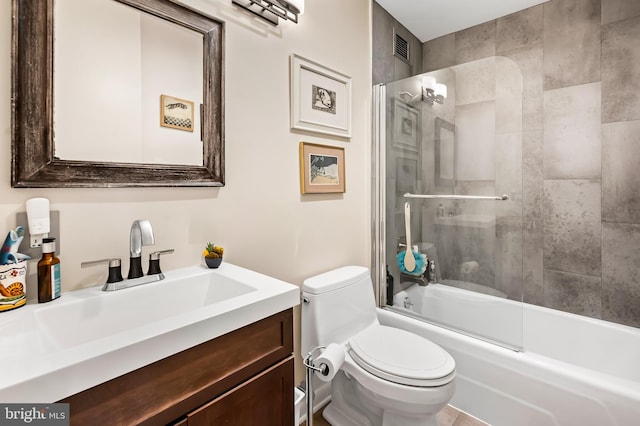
[[580, 168]]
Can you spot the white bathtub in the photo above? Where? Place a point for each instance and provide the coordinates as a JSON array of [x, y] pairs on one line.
[[573, 370]]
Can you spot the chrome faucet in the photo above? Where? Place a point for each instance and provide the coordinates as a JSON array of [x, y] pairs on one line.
[[141, 235]]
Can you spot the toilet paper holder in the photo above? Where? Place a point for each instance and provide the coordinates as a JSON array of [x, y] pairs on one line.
[[310, 369], [309, 364], [329, 360]]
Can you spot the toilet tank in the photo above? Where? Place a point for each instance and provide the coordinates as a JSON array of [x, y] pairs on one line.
[[336, 305]]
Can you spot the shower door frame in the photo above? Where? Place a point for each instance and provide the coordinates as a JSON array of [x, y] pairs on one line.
[[378, 196]]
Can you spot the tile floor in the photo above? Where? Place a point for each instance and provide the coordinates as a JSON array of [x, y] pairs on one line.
[[448, 416]]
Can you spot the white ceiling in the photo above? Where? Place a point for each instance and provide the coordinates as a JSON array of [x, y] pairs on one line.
[[429, 19]]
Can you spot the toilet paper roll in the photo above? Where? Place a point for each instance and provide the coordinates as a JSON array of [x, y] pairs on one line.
[[329, 362], [469, 267]]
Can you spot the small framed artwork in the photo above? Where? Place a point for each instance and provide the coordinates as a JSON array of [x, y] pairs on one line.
[[321, 169], [405, 126], [320, 98], [176, 113]]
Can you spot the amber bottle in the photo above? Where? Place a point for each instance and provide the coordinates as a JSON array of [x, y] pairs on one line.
[[48, 272]]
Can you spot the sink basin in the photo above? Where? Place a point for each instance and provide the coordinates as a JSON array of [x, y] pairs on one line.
[[101, 315], [88, 336]]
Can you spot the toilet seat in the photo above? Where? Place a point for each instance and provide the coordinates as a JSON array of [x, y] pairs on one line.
[[401, 357]]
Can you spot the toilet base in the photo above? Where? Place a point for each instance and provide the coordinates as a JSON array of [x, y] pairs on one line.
[[350, 406]]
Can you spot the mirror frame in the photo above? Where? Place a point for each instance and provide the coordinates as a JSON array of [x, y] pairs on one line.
[[33, 164]]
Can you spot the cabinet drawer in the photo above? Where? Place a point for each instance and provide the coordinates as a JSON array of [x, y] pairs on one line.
[[264, 400], [168, 389]]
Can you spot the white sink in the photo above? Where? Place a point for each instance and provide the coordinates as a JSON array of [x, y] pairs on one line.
[[98, 315], [89, 336]]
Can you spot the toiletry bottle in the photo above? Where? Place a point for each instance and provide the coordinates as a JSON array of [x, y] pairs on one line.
[[48, 272], [389, 288], [441, 210]]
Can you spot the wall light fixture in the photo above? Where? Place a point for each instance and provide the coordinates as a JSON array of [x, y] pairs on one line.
[[432, 91], [271, 10]]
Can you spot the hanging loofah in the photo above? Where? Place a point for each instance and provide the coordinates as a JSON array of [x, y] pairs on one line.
[[421, 263]]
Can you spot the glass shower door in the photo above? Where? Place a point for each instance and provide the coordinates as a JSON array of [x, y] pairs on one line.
[[450, 160]]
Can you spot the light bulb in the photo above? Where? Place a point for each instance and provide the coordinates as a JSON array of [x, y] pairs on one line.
[[429, 83], [441, 90]]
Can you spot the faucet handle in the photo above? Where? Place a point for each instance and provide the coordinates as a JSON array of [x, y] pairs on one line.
[[154, 261], [115, 271]]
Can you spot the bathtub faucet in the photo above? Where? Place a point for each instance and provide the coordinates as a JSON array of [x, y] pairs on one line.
[[407, 303]]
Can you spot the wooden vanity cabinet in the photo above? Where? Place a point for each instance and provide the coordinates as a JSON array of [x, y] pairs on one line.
[[242, 378]]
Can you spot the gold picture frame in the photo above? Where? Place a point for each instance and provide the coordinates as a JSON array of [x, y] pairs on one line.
[[322, 169], [176, 113]]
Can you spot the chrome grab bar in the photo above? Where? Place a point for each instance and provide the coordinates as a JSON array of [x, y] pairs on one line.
[[502, 197]]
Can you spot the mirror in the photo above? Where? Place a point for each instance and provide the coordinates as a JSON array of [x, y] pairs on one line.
[[45, 153], [116, 92]]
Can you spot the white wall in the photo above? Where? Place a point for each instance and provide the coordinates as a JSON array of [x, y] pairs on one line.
[[259, 216]]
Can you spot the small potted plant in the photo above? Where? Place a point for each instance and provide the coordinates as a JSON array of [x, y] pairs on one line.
[[213, 255]]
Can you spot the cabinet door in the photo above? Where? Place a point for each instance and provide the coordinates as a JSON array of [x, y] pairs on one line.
[[264, 400]]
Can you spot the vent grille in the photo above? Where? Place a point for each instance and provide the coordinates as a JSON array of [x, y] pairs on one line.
[[400, 48]]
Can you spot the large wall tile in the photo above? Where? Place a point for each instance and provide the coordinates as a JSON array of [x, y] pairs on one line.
[[509, 79], [508, 153], [621, 71], [465, 241], [509, 257], [578, 294], [518, 30], [572, 132], [475, 142], [387, 67], [382, 33], [530, 61], [509, 115], [476, 187], [620, 177], [509, 86], [572, 226], [571, 42], [475, 81], [532, 261], [439, 53], [619, 10], [532, 176], [476, 43], [621, 273]]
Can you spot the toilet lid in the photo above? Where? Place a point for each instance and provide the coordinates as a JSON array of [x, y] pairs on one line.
[[401, 357]]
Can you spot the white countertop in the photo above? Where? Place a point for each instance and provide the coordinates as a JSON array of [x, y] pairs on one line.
[[86, 337]]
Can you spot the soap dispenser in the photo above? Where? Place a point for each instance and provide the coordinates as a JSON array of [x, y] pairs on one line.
[[49, 285]]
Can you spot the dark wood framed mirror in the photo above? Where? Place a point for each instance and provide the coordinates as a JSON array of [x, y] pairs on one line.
[[34, 163]]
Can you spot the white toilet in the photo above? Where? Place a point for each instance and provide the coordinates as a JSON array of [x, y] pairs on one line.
[[389, 376]]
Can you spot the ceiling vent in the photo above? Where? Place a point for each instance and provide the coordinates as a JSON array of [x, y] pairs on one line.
[[400, 47]]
